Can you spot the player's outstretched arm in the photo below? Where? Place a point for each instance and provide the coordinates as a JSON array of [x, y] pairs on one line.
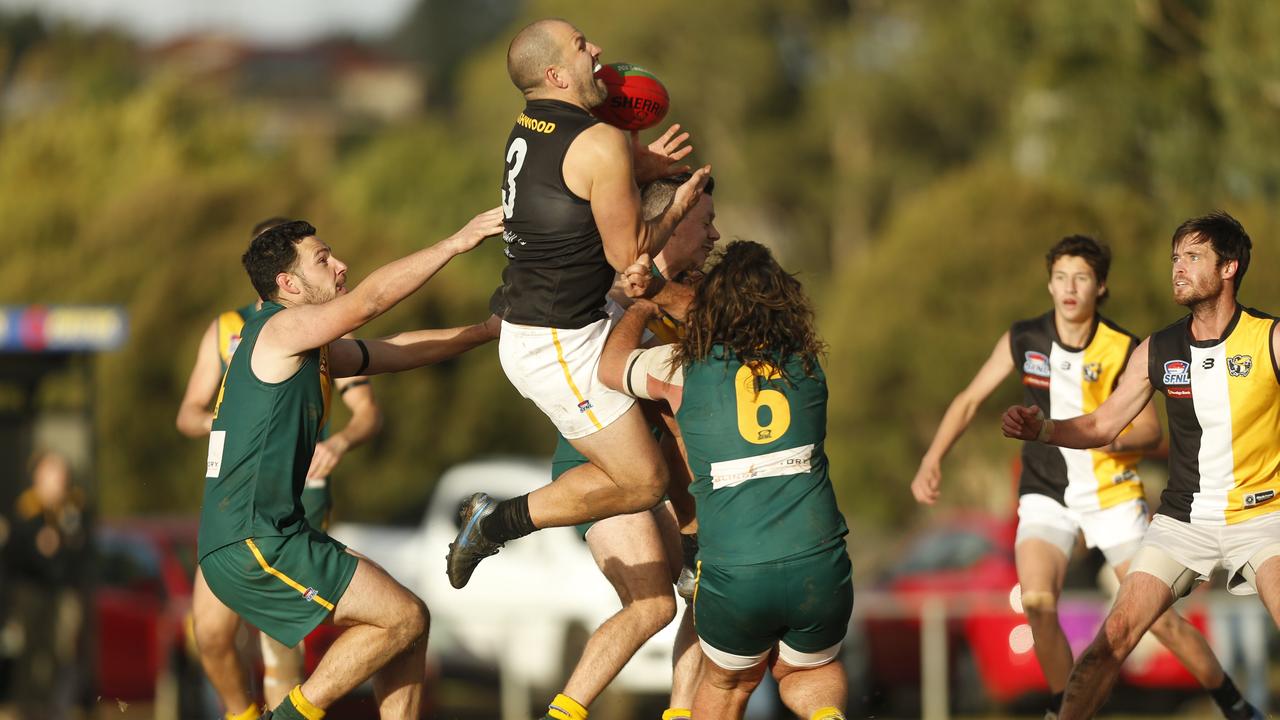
[[1097, 428], [306, 327], [408, 350], [603, 154], [1143, 435], [365, 422], [926, 486], [194, 416]]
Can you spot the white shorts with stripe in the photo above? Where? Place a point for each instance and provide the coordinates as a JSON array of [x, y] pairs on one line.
[[557, 368], [1172, 545], [1117, 530]]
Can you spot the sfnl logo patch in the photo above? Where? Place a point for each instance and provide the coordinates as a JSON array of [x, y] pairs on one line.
[[1035, 369], [1177, 378]]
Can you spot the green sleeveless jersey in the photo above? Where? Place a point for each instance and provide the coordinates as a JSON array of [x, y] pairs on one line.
[[756, 448], [263, 437]]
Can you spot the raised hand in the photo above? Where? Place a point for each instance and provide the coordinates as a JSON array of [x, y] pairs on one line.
[[926, 485], [661, 158], [688, 194], [1022, 422], [481, 226]]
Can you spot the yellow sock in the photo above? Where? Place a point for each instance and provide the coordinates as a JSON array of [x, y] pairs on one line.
[[674, 713], [250, 713], [303, 705], [827, 713], [566, 708]]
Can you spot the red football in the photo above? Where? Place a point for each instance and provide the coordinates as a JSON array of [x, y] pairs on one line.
[[637, 100]]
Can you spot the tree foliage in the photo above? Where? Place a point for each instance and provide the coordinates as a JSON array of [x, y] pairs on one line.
[[912, 160]]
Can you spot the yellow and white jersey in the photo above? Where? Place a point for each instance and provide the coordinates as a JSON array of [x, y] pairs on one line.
[[1066, 382], [1224, 419], [230, 323]]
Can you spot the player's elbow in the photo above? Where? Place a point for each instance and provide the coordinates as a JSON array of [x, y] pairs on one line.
[[187, 425]]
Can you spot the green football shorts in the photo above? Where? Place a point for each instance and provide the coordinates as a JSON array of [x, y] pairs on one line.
[[743, 611], [285, 586]]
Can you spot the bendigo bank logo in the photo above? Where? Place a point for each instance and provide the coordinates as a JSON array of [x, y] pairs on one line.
[[1177, 372], [1035, 369]]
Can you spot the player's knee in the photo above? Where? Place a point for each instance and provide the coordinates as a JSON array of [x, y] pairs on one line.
[[646, 490], [656, 613], [213, 637], [417, 620], [1118, 635], [1040, 605]]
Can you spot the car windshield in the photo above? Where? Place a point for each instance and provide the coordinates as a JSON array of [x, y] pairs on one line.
[[127, 562], [944, 550]]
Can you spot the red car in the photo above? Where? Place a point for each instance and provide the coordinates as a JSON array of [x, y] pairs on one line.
[[142, 604], [966, 561]]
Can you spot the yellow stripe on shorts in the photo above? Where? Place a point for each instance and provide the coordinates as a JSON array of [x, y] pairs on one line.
[[591, 415], [285, 578]]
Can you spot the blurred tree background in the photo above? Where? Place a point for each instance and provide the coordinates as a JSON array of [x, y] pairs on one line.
[[911, 160]]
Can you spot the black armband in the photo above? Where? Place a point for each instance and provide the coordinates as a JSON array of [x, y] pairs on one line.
[[364, 358]]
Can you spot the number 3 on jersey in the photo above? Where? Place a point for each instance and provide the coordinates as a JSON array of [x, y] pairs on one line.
[[516, 154], [751, 400]]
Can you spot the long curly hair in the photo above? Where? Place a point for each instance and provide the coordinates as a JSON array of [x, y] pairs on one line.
[[749, 305]]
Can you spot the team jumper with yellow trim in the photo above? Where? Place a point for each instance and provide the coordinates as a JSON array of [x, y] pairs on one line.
[[258, 553], [1066, 382], [1223, 400], [317, 496]]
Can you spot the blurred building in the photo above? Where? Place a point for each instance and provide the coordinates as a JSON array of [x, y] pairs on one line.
[[332, 83]]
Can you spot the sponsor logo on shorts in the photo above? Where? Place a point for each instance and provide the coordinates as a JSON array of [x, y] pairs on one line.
[[1092, 371], [1239, 365], [310, 594], [584, 406], [1177, 372], [1258, 498]]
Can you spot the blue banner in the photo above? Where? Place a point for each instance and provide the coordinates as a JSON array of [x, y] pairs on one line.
[[62, 328]]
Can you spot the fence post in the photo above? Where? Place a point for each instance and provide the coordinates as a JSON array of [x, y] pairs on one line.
[[933, 659]]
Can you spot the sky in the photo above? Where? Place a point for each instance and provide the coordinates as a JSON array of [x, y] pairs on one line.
[[274, 21]]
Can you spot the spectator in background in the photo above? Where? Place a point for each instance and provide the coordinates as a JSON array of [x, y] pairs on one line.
[[46, 555]]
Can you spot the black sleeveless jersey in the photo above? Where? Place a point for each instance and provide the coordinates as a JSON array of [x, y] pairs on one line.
[[557, 275], [1066, 382]]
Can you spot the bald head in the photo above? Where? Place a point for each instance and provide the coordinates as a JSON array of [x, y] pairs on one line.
[[534, 49]]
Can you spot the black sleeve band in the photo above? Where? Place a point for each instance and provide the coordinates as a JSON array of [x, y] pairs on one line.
[[364, 357], [354, 384], [635, 357]]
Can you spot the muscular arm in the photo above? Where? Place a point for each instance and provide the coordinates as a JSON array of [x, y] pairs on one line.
[[624, 339], [1144, 435], [305, 327], [408, 350], [926, 485], [194, 416], [598, 166], [1097, 428]]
